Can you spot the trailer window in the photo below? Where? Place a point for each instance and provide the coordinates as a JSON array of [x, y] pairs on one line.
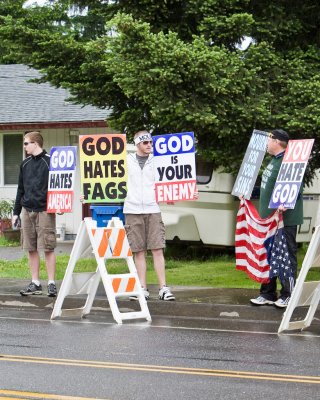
[[204, 171]]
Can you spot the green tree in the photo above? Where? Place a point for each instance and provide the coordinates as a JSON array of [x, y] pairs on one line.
[[176, 65]]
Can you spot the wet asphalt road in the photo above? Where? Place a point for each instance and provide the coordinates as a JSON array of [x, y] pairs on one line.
[[209, 344], [170, 358]]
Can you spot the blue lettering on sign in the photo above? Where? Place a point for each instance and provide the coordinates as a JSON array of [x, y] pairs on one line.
[[63, 158], [173, 143]]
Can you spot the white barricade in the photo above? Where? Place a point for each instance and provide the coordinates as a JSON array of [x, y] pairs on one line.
[[304, 293], [105, 243]]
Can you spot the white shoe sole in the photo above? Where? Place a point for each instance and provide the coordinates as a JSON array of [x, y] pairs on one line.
[[278, 306], [265, 303]]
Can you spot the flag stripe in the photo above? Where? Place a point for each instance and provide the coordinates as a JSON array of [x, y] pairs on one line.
[[252, 236]]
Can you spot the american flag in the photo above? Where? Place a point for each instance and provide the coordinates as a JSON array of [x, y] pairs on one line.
[[261, 248], [279, 260]]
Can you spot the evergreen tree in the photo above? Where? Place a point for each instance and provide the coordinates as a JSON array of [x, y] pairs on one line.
[[176, 65]]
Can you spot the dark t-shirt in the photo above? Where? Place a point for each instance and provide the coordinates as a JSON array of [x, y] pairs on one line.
[[142, 160]]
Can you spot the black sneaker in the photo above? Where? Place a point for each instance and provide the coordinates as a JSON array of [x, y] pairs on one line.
[[52, 290], [31, 289]]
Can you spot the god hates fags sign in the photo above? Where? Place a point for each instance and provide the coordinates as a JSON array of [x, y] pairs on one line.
[[291, 173], [174, 163], [103, 167], [63, 162]]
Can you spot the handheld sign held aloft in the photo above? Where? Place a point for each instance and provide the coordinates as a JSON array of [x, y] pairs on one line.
[[251, 164], [63, 160], [103, 167], [174, 167], [291, 173]]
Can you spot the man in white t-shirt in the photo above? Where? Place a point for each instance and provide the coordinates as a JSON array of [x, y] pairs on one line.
[[143, 222]]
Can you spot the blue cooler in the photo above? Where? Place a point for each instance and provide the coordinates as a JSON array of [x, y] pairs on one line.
[[103, 214]]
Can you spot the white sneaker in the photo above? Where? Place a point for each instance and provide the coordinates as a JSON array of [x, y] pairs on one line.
[[261, 301], [281, 302], [145, 292], [165, 294]]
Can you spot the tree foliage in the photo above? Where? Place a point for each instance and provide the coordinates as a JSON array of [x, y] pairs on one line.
[[176, 65]]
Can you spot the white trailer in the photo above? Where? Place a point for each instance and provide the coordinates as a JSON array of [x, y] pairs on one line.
[[211, 219]]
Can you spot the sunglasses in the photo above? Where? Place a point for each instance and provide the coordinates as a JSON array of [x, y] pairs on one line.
[[147, 142], [26, 143]]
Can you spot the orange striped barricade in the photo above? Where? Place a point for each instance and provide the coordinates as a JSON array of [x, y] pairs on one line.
[[304, 294], [105, 243]]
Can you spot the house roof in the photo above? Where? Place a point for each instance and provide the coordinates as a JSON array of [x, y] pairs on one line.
[[23, 103]]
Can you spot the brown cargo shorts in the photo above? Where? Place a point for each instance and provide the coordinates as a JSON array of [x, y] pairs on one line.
[[38, 230], [145, 231]]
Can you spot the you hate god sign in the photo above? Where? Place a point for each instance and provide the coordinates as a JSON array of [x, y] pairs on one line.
[[290, 176]]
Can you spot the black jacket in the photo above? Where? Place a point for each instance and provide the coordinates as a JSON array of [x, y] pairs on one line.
[[33, 183]]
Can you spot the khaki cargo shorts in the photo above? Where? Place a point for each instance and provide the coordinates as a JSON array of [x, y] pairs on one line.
[[145, 231], [38, 230]]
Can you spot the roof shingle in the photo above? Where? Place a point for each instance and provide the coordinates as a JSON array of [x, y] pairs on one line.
[[24, 102]]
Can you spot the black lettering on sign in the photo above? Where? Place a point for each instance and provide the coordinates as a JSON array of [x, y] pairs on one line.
[[87, 147], [103, 146], [177, 172]]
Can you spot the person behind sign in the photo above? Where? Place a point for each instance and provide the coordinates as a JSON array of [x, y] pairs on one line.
[[143, 221], [38, 226], [277, 143]]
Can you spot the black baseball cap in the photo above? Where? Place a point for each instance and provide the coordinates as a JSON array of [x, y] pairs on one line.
[[280, 134]]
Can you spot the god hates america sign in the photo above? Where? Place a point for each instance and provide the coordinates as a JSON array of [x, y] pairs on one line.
[[290, 175], [174, 163], [63, 162]]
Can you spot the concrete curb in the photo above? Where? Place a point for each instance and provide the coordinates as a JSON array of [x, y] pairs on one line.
[[179, 309]]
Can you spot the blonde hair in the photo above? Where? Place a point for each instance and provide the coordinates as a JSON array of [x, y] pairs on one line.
[[35, 136]]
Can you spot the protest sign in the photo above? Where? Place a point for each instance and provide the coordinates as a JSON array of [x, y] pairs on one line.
[[63, 160], [103, 167], [290, 176], [251, 164], [175, 170]]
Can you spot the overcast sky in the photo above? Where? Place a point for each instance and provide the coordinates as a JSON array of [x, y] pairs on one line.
[[29, 2]]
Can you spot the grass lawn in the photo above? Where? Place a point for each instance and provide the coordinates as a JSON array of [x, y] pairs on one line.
[[216, 270]]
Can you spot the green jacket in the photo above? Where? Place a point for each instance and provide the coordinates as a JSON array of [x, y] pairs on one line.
[[269, 177]]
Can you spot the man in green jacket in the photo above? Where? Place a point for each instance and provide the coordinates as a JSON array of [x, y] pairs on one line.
[[277, 144]]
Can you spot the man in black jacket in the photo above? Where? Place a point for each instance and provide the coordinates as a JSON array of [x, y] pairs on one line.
[[38, 226]]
